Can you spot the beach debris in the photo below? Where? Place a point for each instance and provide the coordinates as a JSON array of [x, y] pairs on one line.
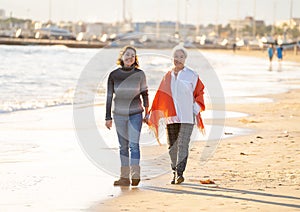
[[270, 187], [247, 121], [282, 136], [242, 153], [228, 133], [259, 137], [208, 181]]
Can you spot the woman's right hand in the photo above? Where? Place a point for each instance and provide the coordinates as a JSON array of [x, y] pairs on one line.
[[108, 124]]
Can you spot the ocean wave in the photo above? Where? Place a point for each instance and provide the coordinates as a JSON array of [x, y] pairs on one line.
[[14, 105], [10, 106]]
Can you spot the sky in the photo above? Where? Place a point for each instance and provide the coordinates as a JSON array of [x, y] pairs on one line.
[[186, 11]]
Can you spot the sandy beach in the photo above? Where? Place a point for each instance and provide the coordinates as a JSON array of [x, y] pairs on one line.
[[255, 172]]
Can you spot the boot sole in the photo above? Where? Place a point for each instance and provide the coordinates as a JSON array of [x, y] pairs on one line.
[[135, 182], [122, 184]]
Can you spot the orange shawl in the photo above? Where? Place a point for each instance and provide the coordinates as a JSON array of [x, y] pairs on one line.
[[163, 105]]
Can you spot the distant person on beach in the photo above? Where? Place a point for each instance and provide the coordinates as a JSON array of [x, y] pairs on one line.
[[179, 100], [270, 52], [127, 84], [234, 47], [279, 53]]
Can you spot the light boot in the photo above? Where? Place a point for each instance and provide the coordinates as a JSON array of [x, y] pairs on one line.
[[124, 177], [135, 175]]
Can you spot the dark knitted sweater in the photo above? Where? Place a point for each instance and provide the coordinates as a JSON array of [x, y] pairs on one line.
[[125, 87]]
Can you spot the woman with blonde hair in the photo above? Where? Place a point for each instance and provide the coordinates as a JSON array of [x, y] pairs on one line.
[[126, 85]]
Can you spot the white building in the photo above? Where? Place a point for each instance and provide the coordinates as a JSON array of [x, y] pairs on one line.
[[291, 23], [242, 23], [2, 14]]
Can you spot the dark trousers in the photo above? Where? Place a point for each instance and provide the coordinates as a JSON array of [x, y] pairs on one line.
[[179, 136]]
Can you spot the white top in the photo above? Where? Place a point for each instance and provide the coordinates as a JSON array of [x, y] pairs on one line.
[[182, 88]]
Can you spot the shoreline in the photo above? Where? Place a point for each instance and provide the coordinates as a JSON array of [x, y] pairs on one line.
[[288, 55], [252, 172]]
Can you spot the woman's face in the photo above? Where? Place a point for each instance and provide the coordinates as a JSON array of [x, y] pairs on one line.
[[128, 57], [179, 59]]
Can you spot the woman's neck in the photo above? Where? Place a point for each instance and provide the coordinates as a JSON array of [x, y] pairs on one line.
[[177, 69], [127, 68]]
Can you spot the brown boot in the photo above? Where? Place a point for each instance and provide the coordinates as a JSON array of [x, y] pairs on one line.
[[135, 175], [122, 182], [124, 177]]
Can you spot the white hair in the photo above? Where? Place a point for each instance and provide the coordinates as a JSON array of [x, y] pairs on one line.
[[179, 47]]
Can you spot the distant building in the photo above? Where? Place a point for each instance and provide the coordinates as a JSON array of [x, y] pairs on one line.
[[242, 23], [67, 25], [290, 23], [78, 27], [94, 28], [2, 14], [165, 29]]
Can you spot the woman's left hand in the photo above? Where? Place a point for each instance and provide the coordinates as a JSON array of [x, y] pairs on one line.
[[146, 118]]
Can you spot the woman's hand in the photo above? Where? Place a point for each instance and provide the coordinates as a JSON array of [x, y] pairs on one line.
[[147, 115], [108, 124], [146, 118]]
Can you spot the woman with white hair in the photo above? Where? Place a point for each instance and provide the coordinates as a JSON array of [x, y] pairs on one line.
[[179, 100]]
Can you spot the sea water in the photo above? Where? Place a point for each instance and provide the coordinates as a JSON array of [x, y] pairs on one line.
[[33, 77]]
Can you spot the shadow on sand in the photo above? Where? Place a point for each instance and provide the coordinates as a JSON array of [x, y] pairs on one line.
[[196, 189]]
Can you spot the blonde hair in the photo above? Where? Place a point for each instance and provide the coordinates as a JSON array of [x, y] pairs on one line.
[[122, 52]]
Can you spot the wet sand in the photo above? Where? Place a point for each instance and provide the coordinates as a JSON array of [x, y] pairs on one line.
[[42, 166], [288, 55], [255, 172]]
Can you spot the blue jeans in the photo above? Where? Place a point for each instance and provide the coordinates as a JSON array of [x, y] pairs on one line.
[[129, 130]]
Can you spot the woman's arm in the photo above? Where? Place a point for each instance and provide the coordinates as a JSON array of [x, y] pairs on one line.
[[109, 97]]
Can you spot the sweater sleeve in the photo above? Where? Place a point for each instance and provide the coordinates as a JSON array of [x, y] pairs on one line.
[[145, 98], [109, 97], [144, 90]]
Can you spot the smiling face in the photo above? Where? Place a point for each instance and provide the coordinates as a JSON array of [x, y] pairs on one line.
[[179, 59], [129, 57]]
